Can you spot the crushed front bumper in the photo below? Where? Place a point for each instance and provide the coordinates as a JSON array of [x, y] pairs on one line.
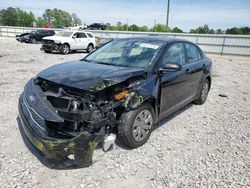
[[51, 47], [22, 39], [56, 152]]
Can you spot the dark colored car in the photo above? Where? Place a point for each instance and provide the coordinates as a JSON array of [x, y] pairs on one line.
[[97, 26], [34, 36], [123, 88]]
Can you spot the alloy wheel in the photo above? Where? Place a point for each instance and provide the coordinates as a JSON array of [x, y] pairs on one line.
[[204, 91], [142, 125]]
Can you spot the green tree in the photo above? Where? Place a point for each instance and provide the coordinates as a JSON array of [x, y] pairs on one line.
[[76, 19], [238, 31], [9, 17], [203, 30], [176, 30], [58, 17], [133, 28], [25, 19], [48, 16], [161, 28], [219, 31], [245, 30], [144, 28], [40, 22]]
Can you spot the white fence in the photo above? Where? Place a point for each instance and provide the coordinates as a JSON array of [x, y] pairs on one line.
[[219, 44]]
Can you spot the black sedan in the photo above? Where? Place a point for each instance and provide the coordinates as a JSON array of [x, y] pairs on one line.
[[123, 88], [34, 36]]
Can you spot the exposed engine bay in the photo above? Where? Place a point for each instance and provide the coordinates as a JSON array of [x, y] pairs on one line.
[[81, 111], [88, 111]]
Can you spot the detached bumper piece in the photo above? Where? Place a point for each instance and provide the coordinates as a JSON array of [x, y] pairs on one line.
[[55, 149]]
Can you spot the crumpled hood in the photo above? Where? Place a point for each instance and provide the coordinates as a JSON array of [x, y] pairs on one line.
[[59, 38], [88, 76], [22, 35]]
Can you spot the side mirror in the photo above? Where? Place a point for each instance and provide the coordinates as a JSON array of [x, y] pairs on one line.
[[74, 37], [170, 67]]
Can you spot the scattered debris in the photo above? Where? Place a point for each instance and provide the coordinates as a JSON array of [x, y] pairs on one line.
[[223, 95]]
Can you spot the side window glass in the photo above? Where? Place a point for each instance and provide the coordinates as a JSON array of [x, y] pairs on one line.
[[175, 54], [90, 35], [82, 35], [192, 53]]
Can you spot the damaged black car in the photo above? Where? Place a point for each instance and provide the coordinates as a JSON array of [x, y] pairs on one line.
[[123, 88]]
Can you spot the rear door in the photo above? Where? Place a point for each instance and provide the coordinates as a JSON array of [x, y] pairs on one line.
[[84, 41], [194, 69]]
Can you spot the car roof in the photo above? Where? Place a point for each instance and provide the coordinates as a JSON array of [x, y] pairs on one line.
[[155, 38]]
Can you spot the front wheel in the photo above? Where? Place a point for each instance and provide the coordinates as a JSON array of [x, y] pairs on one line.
[[135, 126], [65, 49], [203, 93], [47, 51], [33, 40]]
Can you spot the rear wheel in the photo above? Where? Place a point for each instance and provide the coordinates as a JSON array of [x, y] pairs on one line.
[[65, 49], [203, 93], [90, 48], [136, 126]]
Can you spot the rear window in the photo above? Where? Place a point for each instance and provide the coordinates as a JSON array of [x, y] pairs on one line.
[[193, 53], [90, 35]]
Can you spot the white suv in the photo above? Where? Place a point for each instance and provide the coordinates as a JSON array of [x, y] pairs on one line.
[[67, 41]]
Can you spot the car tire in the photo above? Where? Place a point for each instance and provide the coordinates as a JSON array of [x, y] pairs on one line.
[[90, 48], [47, 51], [136, 126], [33, 40], [203, 93], [65, 49]]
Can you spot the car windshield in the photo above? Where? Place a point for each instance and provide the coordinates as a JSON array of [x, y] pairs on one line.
[[128, 53], [64, 34]]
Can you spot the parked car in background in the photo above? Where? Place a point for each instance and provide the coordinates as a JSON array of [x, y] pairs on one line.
[[67, 41], [78, 27], [123, 88], [34, 36], [97, 26]]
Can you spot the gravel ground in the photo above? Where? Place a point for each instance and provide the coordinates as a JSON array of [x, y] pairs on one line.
[[199, 146]]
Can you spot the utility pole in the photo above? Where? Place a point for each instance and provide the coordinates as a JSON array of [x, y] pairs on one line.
[[154, 25], [127, 25], [168, 4]]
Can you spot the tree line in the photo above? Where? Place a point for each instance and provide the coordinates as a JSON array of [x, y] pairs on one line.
[[60, 18], [55, 17]]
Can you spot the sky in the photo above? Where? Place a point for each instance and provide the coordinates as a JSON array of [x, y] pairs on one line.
[[185, 14]]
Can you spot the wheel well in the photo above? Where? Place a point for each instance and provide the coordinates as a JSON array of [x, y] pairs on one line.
[[151, 101], [67, 44], [91, 44]]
